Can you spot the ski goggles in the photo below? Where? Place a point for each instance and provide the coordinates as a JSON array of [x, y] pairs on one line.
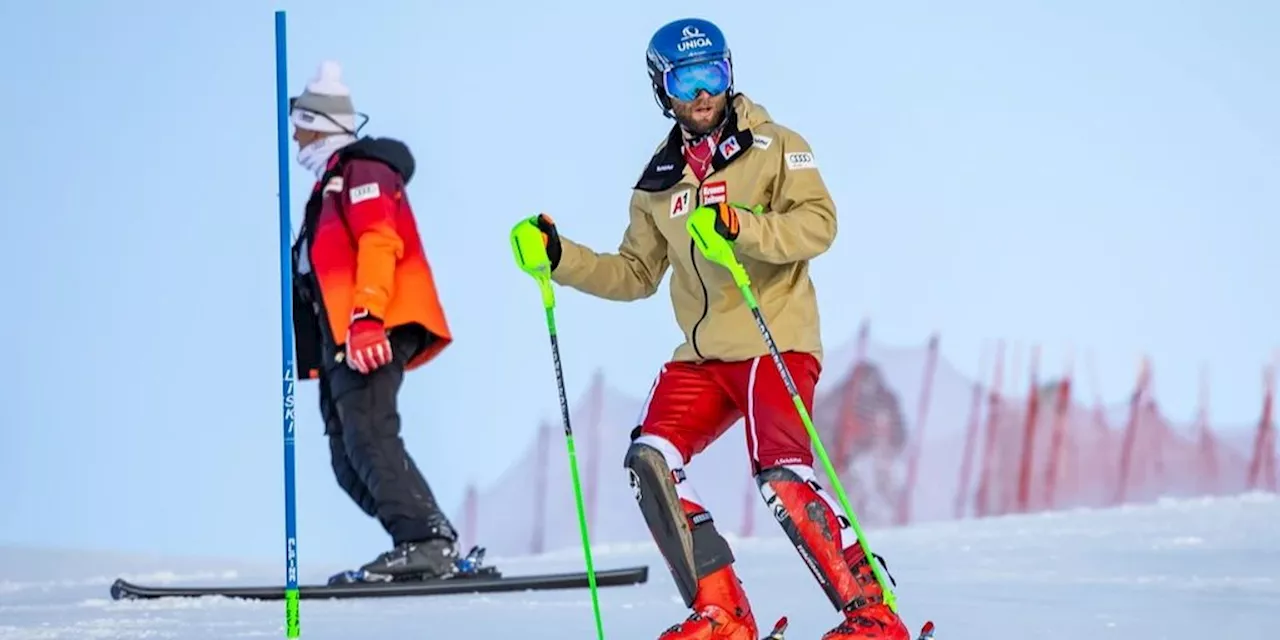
[[683, 83]]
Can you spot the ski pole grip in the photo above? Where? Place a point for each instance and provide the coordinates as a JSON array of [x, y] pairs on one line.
[[530, 252]]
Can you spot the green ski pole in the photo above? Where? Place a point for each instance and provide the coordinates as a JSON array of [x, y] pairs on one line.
[[716, 248], [531, 256]]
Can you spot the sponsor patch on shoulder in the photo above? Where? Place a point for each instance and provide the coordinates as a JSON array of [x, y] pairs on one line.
[[801, 160], [364, 192], [762, 142]]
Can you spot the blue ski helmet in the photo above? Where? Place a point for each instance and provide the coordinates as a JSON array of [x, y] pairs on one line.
[[688, 56]]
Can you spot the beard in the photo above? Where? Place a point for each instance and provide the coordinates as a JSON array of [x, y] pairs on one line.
[[684, 115]]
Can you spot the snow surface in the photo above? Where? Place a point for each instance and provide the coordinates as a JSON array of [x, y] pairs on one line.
[[1172, 570]]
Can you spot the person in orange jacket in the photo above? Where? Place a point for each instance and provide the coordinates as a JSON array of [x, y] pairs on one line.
[[366, 311]]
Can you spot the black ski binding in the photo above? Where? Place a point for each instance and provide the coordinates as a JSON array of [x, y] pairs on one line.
[[467, 567]]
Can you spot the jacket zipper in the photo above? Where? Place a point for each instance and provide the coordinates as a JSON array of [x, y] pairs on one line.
[[706, 297]]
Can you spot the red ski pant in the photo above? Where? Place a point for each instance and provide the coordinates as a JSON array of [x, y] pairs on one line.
[[693, 404]]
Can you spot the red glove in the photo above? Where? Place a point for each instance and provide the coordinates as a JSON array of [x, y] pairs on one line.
[[367, 345]]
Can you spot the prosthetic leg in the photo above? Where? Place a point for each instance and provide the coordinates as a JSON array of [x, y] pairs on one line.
[[698, 557], [825, 539]]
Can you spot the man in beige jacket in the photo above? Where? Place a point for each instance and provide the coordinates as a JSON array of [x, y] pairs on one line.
[[762, 182]]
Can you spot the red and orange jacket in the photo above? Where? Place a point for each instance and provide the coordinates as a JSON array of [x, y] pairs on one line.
[[359, 247]]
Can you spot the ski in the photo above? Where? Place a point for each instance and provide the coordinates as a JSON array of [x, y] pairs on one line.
[[125, 590]]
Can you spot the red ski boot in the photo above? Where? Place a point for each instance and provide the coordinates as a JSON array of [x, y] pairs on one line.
[[720, 611], [867, 617]]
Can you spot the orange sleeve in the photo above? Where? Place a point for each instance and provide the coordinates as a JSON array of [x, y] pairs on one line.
[[371, 201]]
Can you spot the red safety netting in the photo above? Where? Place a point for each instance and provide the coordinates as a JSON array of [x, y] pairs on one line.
[[913, 440]]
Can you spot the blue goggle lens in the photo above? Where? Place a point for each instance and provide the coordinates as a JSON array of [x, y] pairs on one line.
[[684, 83]]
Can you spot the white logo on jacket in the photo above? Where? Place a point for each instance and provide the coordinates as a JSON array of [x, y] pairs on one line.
[[801, 160], [364, 192]]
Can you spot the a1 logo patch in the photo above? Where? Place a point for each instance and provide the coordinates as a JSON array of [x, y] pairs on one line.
[[680, 203], [715, 192], [729, 148]]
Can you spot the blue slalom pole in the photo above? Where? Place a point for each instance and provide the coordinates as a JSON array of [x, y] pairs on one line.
[[292, 629]]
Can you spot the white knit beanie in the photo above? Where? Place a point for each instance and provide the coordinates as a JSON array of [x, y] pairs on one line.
[[326, 104]]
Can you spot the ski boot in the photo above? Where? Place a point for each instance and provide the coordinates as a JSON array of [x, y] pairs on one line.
[[867, 617], [433, 559], [720, 611]]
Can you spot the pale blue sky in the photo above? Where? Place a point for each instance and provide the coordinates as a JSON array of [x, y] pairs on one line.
[[1099, 174]]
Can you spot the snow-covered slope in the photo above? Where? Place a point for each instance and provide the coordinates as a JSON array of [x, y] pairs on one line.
[[1173, 570]]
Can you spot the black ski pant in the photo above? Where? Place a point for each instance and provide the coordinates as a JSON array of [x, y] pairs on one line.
[[369, 459]]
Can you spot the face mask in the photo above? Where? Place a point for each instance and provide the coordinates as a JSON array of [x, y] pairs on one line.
[[315, 156]]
